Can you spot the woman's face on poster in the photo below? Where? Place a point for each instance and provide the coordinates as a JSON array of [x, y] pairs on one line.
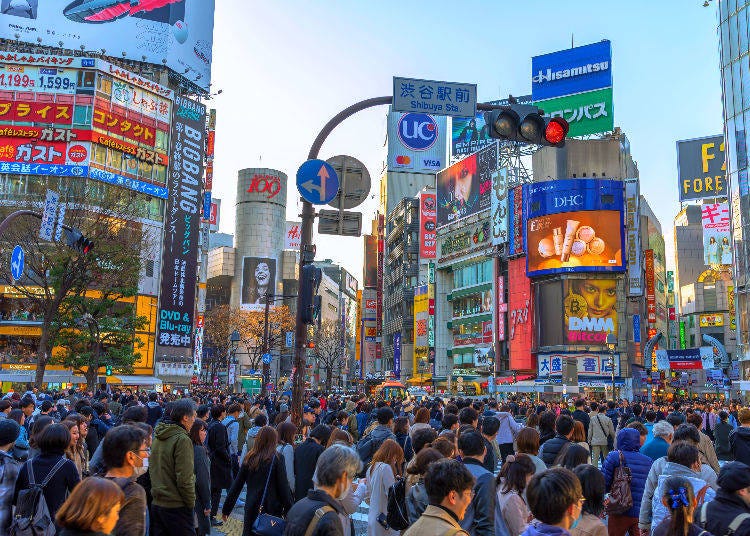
[[262, 274]]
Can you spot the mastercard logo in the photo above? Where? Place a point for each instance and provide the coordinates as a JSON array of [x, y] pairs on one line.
[[403, 160]]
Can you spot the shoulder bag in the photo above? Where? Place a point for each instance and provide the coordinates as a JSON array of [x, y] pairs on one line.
[[620, 495], [266, 524]]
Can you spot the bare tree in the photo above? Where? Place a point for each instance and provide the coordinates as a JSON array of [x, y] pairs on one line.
[[330, 352]]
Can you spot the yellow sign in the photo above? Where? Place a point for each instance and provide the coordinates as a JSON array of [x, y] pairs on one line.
[[21, 331], [710, 321], [371, 331]]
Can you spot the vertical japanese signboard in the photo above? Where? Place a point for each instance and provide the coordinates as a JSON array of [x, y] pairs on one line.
[[181, 226], [427, 225], [650, 288], [515, 227], [520, 316], [397, 354], [499, 207], [633, 242]]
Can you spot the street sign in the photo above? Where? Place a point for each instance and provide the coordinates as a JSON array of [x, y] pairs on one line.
[[354, 180], [267, 358], [47, 228], [433, 97], [289, 339], [342, 223], [317, 182], [17, 263]]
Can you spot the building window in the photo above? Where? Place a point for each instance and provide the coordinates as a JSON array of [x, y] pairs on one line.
[[150, 267]]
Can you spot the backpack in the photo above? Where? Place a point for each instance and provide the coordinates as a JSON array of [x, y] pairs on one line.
[[367, 447], [620, 495], [396, 514], [32, 517], [738, 520]]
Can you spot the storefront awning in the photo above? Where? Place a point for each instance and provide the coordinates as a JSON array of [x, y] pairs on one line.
[[134, 380], [55, 376], [422, 378]]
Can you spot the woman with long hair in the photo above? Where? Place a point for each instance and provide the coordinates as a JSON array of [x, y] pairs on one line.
[[386, 465], [37, 428], [404, 440], [571, 456], [527, 442], [264, 473], [202, 470], [416, 494], [21, 447], [592, 484], [546, 426], [287, 431], [511, 511], [340, 436], [579, 436], [93, 508], [421, 420], [679, 498], [76, 451]]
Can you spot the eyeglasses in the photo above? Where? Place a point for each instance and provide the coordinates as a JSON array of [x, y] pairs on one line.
[[146, 450]]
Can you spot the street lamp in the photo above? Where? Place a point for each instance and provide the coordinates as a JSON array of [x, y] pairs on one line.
[[491, 357], [612, 345], [234, 341]]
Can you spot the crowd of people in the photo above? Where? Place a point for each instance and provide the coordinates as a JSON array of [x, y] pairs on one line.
[[130, 463]]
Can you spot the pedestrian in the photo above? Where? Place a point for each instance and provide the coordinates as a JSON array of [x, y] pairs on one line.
[[480, 516], [125, 454], [92, 509], [581, 416], [36, 431], [171, 470], [527, 442], [401, 431], [306, 456], [246, 422], [416, 493], [371, 442], [571, 456], [556, 500], [263, 472], [21, 450], [739, 439], [729, 512], [578, 437], [386, 465], [232, 424], [77, 451], [678, 497], [601, 434], [705, 444], [551, 448], [722, 431], [511, 512], [259, 422], [593, 487], [658, 446], [421, 421], [287, 432], [202, 470], [154, 409], [449, 485], [490, 427], [221, 462], [9, 469]]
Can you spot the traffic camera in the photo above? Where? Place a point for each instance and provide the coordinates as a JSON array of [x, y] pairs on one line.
[[311, 277], [74, 239], [526, 124]]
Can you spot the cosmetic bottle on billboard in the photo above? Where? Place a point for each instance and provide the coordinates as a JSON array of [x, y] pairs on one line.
[[570, 234], [557, 238]]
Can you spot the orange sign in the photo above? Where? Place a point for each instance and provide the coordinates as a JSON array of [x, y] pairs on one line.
[[36, 112], [122, 126], [146, 155]]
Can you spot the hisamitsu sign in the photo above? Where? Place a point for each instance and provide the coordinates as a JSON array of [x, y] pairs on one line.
[[433, 97]]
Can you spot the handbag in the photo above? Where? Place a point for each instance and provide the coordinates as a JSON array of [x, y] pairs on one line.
[[620, 495], [266, 524], [610, 439]]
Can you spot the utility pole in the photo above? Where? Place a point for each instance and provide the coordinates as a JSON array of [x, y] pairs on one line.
[[266, 366]]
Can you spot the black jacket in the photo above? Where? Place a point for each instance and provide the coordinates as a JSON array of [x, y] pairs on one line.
[[490, 462], [202, 469], [58, 488], [278, 501], [721, 512], [552, 448], [305, 458], [301, 514], [722, 431], [479, 519], [217, 442], [739, 442], [580, 415], [405, 441]]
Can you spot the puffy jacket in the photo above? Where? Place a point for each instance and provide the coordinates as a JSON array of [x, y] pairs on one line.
[[739, 442], [552, 448], [540, 529], [722, 431], [658, 510], [479, 519], [171, 467], [629, 442]]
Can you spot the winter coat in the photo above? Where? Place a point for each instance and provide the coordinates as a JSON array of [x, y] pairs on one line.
[[722, 431], [9, 469], [252, 433], [416, 498], [583, 417], [305, 458], [549, 451], [404, 440], [59, 486], [171, 467], [380, 478], [600, 428], [628, 442], [154, 412], [658, 510], [132, 520], [708, 454], [245, 424], [655, 449], [217, 442], [202, 470], [509, 428], [299, 517], [589, 525], [436, 521], [287, 451], [721, 512], [739, 442], [512, 509], [479, 519]]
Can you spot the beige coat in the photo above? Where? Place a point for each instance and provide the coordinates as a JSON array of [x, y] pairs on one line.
[[598, 434], [589, 525], [436, 522]]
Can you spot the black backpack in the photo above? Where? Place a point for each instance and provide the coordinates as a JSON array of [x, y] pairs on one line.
[[32, 517], [396, 515]]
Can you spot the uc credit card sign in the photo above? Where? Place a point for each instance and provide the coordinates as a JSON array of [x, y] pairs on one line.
[[571, 71], [417, 142]]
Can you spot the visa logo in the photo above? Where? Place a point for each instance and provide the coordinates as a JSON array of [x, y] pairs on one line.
[[431, 163]]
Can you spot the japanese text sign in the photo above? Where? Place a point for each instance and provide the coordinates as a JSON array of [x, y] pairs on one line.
[[430, 96], [586, 113], [36, 112], [570, 71]]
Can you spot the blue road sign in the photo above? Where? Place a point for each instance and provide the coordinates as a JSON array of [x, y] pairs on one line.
[[17, 263], [267, 358], [317, 182]]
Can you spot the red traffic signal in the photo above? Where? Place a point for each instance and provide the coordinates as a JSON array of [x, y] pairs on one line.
[[526, 124], [556, 130]]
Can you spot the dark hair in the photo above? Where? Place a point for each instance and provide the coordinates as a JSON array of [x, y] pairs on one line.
[[572, 455], [551, 492], [41, 422], [46, 406], [198, 425], [638, 425], [514, 472], [449, 419], [471, 443], [181, 408], [286, 431], [696, 420], [401, 425], [152, 397], [5, 404], [467, 415], [321, 432], [723, 415], [217, 410], [234, 408], [260, 419], [593, 487], [202, 411], [687, 432], [423, 460], [595, 407], [684, 453], [675, 420], [678, 492], [135, 414], [118, 442], [445, 445], [564, 425], [444, 476], [264, 448], [26, 401], [421, 438], [490, 425], [650, 416], [637, 409], [527, 441], [92, 498], [547, 422], [16, 415], [580, 402], [86, 411], [54, 439], [384, 415]]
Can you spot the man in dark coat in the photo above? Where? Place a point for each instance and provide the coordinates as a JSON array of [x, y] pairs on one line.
[[221, 463], [739, 440], [580, 415], [729, 512], [305, 457], [552, 447]]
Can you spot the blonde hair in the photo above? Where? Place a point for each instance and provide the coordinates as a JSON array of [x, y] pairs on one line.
[[91, 499]]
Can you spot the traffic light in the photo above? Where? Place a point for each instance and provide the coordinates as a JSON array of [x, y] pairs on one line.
[[108, 370], [526, 124], [74, 239], [311, 276]]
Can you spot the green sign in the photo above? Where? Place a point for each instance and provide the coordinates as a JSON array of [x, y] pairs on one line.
[[682, 336], [251, 385], [586, 113]]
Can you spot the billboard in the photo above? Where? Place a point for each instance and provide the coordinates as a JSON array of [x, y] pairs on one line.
[[685, 359], [28, 111], [711, 320], [258, 279], [470, 134], [182, 224], [717, 246], [421, 326], [293, 236], [499, 207], [397, 355], [590, 308], [589, 364], [586, 113], [571, 71], [701, 168], [516, 234], [650, 287], [574, 225], [417, 142], [465, 188], [427, 226], [520, 317], [176, 33], [633, 242], [371, 261]]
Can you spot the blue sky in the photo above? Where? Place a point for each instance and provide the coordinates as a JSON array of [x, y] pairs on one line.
[[286, 67]]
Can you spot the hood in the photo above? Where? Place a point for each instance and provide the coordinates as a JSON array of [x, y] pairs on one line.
[[253, 432], [629, 439], [676, 469], [381, 431], [152, 405], [539, 529], [743, 432], [166, 430]]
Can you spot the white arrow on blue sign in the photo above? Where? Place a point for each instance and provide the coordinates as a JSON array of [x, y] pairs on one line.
[[17, 263], [267, 358], [317, 182]]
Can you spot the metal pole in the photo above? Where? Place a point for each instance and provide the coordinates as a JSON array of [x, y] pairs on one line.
[[612, 365], [266, 367]]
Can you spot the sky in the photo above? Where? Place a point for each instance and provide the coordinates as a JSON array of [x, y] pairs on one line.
[[285, 68]]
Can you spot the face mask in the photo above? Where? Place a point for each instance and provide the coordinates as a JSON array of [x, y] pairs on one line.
[[138, 471]]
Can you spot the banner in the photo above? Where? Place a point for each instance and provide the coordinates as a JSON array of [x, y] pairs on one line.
[[586, 113], [520, 316], [633, 242], [293, 236], [516, 232], [25, 111], [701, 168], [499, 207], [685, 359], [417, 142], [589, 364], [25, 151], [397, 355], [711, 320], [120, 125], [571, 71], [465, 188], [258, 279], [371, 261], [650, 287], [182, 225], [421, 327], [427, 226], [717, 248]]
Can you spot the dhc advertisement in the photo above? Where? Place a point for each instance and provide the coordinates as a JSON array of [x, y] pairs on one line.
[[571, 71]]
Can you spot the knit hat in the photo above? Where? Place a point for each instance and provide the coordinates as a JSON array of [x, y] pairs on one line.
[[734, 476], [9, 431]]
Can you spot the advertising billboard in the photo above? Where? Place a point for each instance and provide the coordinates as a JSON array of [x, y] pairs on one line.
[[181, 225], [417, 142], [421, 327], [589, 364], [371, 261], [717, 246], [650, 287], [176, 33], [293, 235], [571, 71], [499, 207], [685, 359], [516, 233], [519, 336], [590, 307], [633, 242], [470, 134], [711, 320], [258, 279], [465, 241], [465, 188], [701, 168], [574, 225], [586, 113], [427, 226], [397, 354]]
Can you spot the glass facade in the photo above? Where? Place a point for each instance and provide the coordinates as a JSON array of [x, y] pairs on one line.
[[734, 21]]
